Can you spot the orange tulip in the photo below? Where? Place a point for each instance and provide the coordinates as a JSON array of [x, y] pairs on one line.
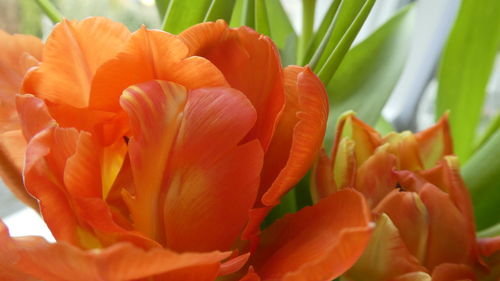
[[425, 224], [19, 54], [158, 156]]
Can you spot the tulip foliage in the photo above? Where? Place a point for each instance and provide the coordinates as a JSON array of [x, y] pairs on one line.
[[201, 152]]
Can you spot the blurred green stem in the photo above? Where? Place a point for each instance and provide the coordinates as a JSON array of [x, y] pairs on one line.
[[308, 9], [50, 10]]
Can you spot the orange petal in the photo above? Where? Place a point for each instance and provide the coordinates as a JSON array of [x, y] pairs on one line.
[[188, 164], [35, 257], [250, 62], [386, 256], [489, 246], [449, 238], [410, 217], [375, 178], [405, 147], [413, 276], [66, 79], [316, 243], [33, 114], [453, 272], [299, 135], [435, 142], [322, 183], [364, 136], [158, 55], [17, 52], [12, 150]]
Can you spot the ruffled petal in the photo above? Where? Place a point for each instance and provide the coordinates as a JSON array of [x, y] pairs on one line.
[[453, 272], [316, 243], [405, 147], [158, 55], [66, 79], [449, 240], [364, 136], [386, 256], [435, 142], [250, 62], [410, 217], [40, 260], [33, 114], [299, 135], [322, 183], [375, 178], [188, 164]]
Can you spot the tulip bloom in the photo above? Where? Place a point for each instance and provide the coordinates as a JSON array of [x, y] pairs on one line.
[[425, 225], [19, 53], [156, 157]]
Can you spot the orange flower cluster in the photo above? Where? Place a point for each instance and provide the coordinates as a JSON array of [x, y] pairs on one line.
[[424, 220], [156, 157]]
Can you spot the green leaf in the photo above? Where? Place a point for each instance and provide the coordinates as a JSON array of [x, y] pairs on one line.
[[328, 69], [482, 175], [50, 10], [279, 23], [465, 69], [220, 9], [370, 71], [490, 232], [161, 6], [308, 11], [347, 14], [324, 27], [261, 20], [492, 128], [243, 14], [182, 14]]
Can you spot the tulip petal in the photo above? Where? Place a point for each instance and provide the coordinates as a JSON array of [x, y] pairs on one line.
[[405, 147], [410, 217], [158, 55], [16, 52], [449, 237], [413, 276], [453, 272], [316, 243], [66, 79], [12, 150], [364, 136], [33, 114], [39, 259], [375, 178], [435, 142], [299, 135], [386, 256], [322, 183], [489, 246], [188, 164], [250, 62]]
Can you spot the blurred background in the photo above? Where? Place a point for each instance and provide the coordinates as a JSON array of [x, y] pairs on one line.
[[411, 105]]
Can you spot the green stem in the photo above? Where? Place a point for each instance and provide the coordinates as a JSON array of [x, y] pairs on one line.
[[50, 10], [308, 9]]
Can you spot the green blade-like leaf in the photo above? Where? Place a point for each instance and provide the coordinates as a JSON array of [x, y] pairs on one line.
[[492, 128], [261, 20], [161, 6], [347, 14], [308, 13], [50, 10], [482, 175], [466, 66], [279, 23], [243, 14], [370, 71], [220, 9], [328, 69], [182, 14], [319, 35]]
